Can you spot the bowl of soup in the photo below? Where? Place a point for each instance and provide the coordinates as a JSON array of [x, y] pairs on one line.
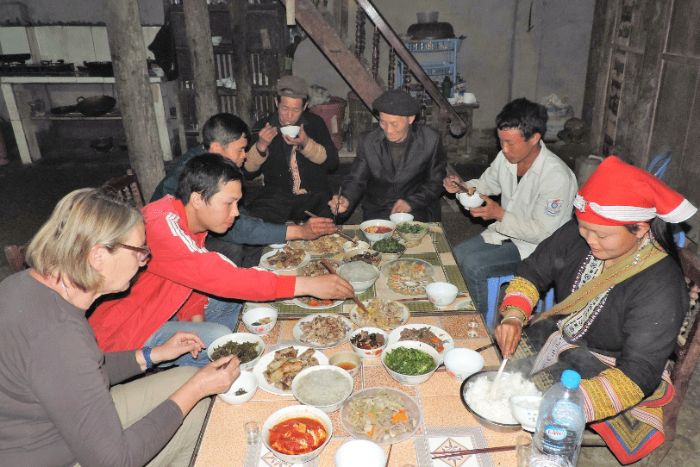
[[323, 386], [297, 434], [377, 229]]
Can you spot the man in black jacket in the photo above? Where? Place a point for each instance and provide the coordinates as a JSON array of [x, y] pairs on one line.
[[295, 169], [399, 167]]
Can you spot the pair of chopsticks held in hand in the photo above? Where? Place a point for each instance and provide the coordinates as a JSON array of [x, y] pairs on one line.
[[339, 232]]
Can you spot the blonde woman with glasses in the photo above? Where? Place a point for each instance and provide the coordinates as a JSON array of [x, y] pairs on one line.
[[61, 401]]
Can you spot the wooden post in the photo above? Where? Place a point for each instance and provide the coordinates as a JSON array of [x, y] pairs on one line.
[[198, 31], [241, 71], [134, 92]]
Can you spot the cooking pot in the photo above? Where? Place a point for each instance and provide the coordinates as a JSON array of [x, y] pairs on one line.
[[94, 106]]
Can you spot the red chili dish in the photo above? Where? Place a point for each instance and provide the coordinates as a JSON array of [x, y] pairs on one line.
[[298, 435]]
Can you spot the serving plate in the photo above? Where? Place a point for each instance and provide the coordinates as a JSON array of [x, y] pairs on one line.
[[379, 321], [404, 401], [297, 332], [448, 342], [300, 303], [266, 264], [266, 359], [408, 276], [325, 245]]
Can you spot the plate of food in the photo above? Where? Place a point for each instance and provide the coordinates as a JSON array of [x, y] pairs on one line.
[[314, 268], [276, 370], [408, 276], [383, 314], [322, 330], [325, 245], [382, 415], [313, 303], [284, 260], [435, 337]]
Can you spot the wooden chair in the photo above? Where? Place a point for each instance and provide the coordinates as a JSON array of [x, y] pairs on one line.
[[15, 257], [127, 187]]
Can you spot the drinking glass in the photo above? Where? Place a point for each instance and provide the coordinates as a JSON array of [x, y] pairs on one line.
[[252, 432], [523, 449]]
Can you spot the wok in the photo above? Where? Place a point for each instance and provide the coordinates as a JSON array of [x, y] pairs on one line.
[[94, 106]]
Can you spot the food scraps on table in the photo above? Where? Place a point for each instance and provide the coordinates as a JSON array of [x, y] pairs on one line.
[[286, 365], [299, 435]]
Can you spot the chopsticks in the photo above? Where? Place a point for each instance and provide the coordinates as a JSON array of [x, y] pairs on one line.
[[357, 301], [337, 205], [469, 452], [422, 299], [468, 190], [339, 231], [484, 347]]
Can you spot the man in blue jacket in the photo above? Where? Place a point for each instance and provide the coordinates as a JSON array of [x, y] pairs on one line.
[[228, 135]]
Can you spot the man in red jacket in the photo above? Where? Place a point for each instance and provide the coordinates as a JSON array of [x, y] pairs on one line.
[[176, 292]]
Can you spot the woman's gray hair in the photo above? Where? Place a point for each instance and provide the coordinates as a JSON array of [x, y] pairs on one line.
[[81, 219]]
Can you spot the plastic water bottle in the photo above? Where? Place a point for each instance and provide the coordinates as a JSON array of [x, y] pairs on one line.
[[560, 424]]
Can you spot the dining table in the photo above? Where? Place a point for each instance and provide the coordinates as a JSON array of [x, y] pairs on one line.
[[445, 425]]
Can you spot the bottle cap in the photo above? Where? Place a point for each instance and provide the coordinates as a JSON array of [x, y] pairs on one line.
[[570, 379]]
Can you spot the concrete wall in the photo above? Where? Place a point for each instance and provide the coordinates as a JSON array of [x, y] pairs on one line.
[[508, 52]]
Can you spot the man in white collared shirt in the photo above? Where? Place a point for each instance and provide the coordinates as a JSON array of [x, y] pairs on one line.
[[537, 192]]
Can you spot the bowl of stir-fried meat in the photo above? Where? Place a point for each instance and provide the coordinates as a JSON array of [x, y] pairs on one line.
[[276, 370], [260, 320], [246, 346], [297, 434], [325, 245], [368, 341], [284, 260], [242, 390], [322, 330]]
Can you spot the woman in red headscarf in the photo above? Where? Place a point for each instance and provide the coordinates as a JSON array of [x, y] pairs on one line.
[[621, 298]]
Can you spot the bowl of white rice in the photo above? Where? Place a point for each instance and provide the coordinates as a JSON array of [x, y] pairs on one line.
[[323, 386], [491, 405]]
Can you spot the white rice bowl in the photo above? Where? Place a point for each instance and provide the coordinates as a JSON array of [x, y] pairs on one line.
[[496, 407]]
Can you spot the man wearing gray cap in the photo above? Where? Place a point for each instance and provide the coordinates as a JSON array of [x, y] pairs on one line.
[[295, 169], [399, 167]]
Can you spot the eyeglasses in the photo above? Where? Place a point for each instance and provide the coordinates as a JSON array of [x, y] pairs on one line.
[[144, 252]]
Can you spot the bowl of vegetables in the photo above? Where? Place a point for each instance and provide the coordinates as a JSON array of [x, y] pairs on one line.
[[368, 342], [242, 390], [412, 232], [247, 347], [390, 248], [410, 362]]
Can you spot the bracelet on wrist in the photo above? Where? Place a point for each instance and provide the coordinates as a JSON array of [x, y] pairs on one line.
[[513, 317], [147, 357]]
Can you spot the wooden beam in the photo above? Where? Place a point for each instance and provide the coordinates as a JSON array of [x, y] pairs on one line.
[[238, 10], [198, 32], [134, 92], [333, 47]]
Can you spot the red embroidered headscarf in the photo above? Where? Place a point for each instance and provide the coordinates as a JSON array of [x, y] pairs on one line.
[[618, 193]]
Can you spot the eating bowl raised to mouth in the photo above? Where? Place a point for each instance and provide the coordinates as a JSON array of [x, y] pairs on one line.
[[291, 131]]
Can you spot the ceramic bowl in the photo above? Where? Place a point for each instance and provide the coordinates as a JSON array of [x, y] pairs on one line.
[[216, 40], [291, 131], [297, 411], [461, 363], [381, 223], [491, 424], [411, 380], [260, 320], [360, 452], [399, 217], [525, 410], [441, 293], [306, 372], [348, 361], [361, 275], [373, 352], [412, 238], [246, 381], [473, 201], [355, 247], [239, 337], [389, 256]]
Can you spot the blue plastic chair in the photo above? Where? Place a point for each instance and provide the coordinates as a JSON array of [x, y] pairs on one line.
[[494, 285], [658, 165]]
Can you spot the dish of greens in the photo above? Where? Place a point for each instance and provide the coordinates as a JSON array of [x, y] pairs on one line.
[[410, 362], [410, 228], [389, 245], [245, 351]]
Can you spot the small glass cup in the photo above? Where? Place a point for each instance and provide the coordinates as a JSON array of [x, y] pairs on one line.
[[252, 432], [523, 449]]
